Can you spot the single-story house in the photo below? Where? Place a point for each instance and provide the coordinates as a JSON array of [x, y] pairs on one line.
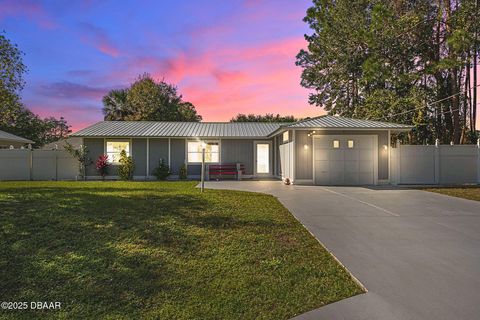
[[8, 140], [326, 150]]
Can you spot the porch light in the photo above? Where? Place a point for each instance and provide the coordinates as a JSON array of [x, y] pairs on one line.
[[204, 145], [305, 146], [385, 147]]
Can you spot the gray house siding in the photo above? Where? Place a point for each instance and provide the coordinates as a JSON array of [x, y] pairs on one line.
[[139, 156], [238, 150], [95, 149], [177, 154], [158, 149], [304, 156]]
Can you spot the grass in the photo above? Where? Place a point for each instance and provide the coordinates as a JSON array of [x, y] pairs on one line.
[[471, 193], [162, 250]]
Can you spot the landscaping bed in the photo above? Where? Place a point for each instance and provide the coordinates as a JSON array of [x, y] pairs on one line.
[[159, 250]]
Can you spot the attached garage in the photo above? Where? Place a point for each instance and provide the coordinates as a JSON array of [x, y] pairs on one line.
[[331, 150], [345, 159]]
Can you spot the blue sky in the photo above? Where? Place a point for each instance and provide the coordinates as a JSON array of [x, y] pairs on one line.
[[226, 57]]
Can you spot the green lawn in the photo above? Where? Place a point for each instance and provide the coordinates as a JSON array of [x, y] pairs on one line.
[[159, 250], [472, 193]]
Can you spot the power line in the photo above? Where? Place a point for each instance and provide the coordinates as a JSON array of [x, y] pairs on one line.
[[428, 105]]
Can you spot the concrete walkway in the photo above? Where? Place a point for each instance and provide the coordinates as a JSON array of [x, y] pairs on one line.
[[417, 253]]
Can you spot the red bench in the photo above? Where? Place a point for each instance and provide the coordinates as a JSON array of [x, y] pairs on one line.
[[226, 170]]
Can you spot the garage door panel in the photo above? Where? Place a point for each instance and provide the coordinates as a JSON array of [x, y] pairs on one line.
[[351, 166], [365, 178], [365, 155], [336, 166], [321, 154], [343, 165], [351, 155], [337, 155], [365, 166], [337, 178], [351, 178], [364, 143]]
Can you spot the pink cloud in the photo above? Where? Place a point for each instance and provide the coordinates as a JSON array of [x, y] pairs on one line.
[[30, 9], [99, 39]]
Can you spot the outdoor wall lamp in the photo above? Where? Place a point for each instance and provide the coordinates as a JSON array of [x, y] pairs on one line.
[[305, 146]]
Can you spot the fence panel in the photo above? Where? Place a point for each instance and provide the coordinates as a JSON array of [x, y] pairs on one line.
[[458, 164], [441, 164], [417, 164], [24, 164], [14, 164]]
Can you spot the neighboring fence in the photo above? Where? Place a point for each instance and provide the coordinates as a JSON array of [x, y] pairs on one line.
[[437, 164], [25, 164]]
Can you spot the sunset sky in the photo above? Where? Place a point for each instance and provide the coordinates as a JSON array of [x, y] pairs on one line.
[[226, 57]]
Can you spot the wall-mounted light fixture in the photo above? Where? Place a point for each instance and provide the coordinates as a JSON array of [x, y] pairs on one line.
[[305, 146], [385, 147]]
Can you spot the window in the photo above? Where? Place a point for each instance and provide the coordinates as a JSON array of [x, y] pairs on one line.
[[115, 147], [263, 158], [285, 136], [336, 144], [212, 153], [350, 144]]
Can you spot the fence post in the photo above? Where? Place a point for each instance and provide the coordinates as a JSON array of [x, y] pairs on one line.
[[56, 163], [397, 173], [436, 159], [30, 165], [478, 161]]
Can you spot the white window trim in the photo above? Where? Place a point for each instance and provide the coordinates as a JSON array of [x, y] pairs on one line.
[[130, 147], [206, 141]]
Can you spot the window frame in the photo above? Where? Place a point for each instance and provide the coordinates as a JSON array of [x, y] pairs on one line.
[[105, 149], [218, 142], [286, 134]]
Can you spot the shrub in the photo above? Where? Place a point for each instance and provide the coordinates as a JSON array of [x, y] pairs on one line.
[[127, 166], [81, 154], [102, 165], [162, 171], [182, 174]]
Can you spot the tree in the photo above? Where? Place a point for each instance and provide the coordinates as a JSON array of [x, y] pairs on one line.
[[268, 117], [14, 116], [12, 70], [81, 154], [400, 61], [147, 99], [115, 106]]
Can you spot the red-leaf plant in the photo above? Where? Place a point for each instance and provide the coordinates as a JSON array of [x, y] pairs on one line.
[[102, 165]]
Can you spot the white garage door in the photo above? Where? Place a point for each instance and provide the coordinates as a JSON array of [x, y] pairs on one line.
[[345, 159]]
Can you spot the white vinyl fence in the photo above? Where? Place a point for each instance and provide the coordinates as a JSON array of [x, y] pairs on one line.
[[25, 164], [436, 164], [286, 160]]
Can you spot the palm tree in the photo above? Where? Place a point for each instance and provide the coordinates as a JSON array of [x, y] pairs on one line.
[[115, 105]]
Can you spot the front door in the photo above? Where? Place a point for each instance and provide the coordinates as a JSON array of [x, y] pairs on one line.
[[263, 157]]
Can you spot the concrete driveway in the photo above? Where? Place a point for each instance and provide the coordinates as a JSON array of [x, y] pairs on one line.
[[417, 253]]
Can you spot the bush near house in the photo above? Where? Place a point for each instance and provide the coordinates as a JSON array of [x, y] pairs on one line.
[[102, 165], [126, 167], [162, 171], [182, 172]]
